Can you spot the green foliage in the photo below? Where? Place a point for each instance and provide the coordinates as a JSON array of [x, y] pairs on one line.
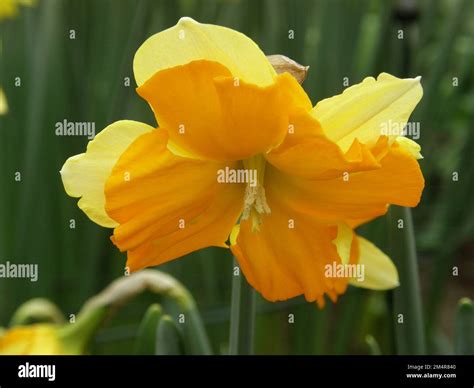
[[147, 331], [464, 328], [168, 338], [83, 79]]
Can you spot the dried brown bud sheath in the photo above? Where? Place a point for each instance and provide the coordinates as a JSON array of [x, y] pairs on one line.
[[281, 64]]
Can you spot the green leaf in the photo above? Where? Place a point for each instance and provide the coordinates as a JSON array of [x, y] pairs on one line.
[[147, 332], [176, 300], [169, 340], [37, 310], [180, 304]]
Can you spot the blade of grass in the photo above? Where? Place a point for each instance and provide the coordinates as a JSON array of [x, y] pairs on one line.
[[454, 27], [407, 310]]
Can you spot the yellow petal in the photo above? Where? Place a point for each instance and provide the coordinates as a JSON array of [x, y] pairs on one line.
[[369, 109], [3, 103], [84, 175], [38, 339], [189, 41], [379, 271], [170, 205], [210, 115], [412, 147]]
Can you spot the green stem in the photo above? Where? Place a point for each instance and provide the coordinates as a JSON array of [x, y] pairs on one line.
[[464, 328], [409, 329], [77, 336], [242, 316]]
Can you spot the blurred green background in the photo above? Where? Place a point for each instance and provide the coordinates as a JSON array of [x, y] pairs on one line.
[[83, 79]]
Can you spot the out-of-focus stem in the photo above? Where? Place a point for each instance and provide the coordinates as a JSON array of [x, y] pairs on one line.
[[242, 316], [407, 310]]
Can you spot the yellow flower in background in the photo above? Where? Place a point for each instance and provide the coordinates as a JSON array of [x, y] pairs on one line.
[[3, 103], [241, 154], [38, 339], [9, 8], [3, 98]]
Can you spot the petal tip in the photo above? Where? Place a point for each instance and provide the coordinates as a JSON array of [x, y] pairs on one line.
[[186, 20]]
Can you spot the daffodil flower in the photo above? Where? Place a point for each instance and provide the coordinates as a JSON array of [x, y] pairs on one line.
[[3, 98], [43, 339], [9, 8], [220, 106], [3, 103]]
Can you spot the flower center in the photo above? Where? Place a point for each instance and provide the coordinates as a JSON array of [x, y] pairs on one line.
[[255, 202]]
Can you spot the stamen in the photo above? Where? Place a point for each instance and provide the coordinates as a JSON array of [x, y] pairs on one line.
[[255, 201]]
